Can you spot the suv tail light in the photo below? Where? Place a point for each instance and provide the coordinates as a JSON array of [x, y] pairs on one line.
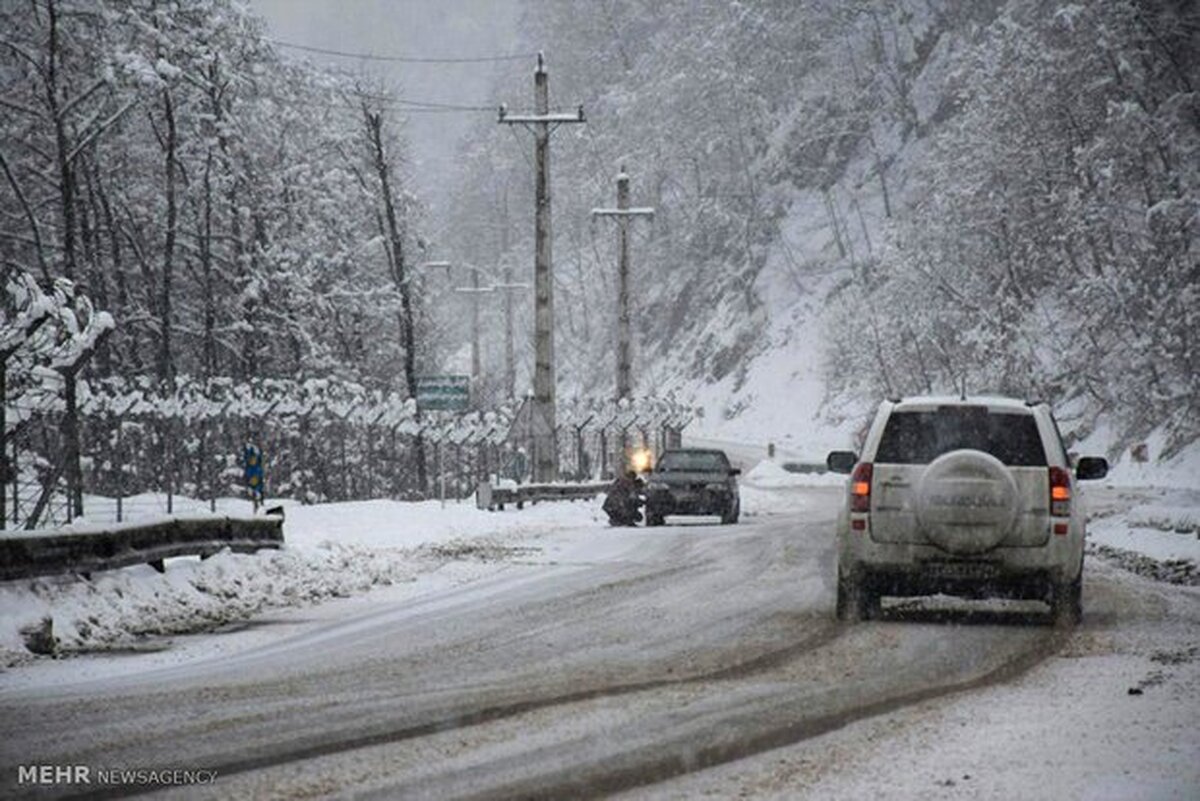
[[860, 487], [1060, 492]]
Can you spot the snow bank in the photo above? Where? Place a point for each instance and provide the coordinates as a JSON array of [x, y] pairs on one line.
[[1182, 470], [116, 608], [1159, 538], [395, 524], [331, 551], [771, 474], [759, 502]]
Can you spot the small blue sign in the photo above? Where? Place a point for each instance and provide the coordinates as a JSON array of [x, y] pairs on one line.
[[252, 459]]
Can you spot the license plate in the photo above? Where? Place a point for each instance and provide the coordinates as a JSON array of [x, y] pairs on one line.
[[962, 570]]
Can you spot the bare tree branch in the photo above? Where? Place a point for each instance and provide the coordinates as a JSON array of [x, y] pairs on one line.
[[33, 223], [104, 126]]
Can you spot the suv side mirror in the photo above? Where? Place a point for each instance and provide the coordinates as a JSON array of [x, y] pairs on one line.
[[841, 461], [735, 471], [1090, 468]]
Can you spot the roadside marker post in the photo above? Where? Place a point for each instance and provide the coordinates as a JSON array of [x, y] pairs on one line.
[[252, 461]]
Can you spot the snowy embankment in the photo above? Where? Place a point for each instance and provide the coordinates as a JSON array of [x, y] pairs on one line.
[[1158, 537], [332, 551], [764, 489]]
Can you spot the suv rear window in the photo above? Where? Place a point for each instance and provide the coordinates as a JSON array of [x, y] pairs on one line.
[[921, 437]]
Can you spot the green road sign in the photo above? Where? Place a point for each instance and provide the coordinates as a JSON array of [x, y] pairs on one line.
[[444, 393]]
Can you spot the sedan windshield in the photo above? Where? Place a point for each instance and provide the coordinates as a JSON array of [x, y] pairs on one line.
[[693, 462]]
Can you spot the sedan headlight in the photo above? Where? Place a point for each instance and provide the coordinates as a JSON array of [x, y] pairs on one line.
[[641, 460]]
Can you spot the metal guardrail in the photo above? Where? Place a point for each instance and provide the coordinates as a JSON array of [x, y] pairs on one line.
[[45, 553], [806, 468], [496, 498]]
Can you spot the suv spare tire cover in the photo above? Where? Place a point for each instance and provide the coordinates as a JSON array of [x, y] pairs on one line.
[[967, 502]]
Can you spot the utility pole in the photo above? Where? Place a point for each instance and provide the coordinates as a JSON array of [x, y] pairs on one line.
[[510, 365], [542, 123], [510, 357], [475, 291], [623, 214]]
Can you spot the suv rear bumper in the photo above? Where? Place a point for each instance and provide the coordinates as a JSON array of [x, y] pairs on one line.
[[926, 569], [1004, 583]]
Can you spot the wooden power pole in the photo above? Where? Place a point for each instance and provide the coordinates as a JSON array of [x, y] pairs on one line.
[[623, 214], [542, 123]]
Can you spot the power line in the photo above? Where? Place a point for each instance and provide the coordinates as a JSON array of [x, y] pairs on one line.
[[448, 109], [398, 59], [430, 104], [349, 100]]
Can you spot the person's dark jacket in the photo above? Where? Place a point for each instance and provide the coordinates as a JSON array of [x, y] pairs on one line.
[[623, 499]]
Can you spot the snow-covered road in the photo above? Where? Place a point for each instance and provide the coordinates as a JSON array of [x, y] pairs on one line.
[[599, 660]]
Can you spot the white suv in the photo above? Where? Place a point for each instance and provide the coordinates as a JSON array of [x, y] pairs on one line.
[[972, 497]]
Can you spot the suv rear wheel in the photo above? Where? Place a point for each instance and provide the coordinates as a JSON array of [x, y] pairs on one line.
[[856, 600], [1066, 602]]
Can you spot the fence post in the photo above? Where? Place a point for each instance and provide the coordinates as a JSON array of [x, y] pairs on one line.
[[579, 454], [120, 470], [441, 474], [368, 470], [3, 441], [215, 470], [464, 471], [395, 464], [343, 471], [171, 474], [603, 452], [16, 478]]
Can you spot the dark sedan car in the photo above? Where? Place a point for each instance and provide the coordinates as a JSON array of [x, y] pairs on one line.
[[691, 481]]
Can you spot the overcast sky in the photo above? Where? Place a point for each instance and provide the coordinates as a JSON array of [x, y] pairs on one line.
[[416, 28]]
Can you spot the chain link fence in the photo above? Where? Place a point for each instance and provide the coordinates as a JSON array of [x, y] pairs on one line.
[[144, 452]]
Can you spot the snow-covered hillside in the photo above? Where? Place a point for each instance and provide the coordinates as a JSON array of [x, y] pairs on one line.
[[889, 199]]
